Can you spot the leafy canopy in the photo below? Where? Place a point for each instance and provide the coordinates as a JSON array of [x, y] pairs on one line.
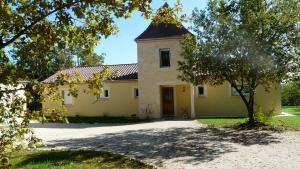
[[248, 43], [38, 37]]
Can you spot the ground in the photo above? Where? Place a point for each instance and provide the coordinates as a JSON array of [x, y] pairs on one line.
[[180, 144], [73, 160]]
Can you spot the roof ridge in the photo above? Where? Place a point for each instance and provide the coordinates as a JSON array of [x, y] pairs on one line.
[[99, 66], [127, 71]]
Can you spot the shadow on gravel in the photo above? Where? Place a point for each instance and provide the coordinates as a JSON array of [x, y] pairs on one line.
[[77, 125], [192, 145]]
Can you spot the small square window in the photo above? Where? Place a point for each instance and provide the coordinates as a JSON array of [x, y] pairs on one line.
[[68, 99], [165, 58], [201, 91], [136, 92], [104, 95]]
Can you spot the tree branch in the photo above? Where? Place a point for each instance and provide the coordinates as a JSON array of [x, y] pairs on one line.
[[240, 93], [11, 90], [26, 28]]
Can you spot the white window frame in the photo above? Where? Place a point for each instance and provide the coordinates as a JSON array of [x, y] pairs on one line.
[[234, 93], [160, 59], [134, 93], [66, 94], [204, 90], [102, 95]]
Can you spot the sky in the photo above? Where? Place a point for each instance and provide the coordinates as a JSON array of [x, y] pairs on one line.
[[121, 48]]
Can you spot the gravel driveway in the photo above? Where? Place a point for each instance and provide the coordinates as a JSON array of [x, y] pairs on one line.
[[180, 144]]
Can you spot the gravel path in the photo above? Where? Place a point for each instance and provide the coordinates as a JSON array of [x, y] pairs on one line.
[[180, 144]]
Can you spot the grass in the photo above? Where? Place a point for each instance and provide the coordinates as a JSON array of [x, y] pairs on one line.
[[222, 122], [73, 160], [282, 123], [291, 109], [111, 120], [289, 122]]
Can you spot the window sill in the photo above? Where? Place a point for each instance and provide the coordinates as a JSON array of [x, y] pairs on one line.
[[68, 105], [165, 67], [100, 99], [237, 96]]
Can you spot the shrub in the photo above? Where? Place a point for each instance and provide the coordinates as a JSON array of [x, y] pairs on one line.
[[263, 117]]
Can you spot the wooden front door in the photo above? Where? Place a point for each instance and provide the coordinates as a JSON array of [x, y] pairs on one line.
[[168, 101]]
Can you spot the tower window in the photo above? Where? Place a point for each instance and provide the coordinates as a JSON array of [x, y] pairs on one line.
[[165, 58]]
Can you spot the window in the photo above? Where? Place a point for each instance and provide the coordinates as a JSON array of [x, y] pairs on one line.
[[68, 99], [201, 91], [164, 58], [135, 92], [245, 91], [105, 94]]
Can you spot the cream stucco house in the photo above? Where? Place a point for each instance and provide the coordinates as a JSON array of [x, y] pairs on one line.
[[151, 87]]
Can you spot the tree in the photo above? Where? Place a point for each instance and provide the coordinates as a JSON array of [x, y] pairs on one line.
[[92, 60], [33, 37], [87, 59], [290, 94], [248, 43]]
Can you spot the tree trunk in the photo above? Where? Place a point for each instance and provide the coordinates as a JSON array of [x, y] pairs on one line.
[[249, 103], [250, 109]]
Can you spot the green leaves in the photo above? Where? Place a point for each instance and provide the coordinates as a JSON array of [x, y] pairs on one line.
[[247, 42], [241, 40], [39, 38]]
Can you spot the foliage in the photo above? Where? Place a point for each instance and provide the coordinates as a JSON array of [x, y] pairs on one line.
[[248, 43], [74, 160], [92, 60], [16, 133], [39, 37], [290, 94], [263, 117]]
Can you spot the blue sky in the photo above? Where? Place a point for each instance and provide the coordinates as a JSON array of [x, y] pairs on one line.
[[121, 48]]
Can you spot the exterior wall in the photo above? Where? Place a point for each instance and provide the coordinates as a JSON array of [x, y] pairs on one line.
[[121, 102], [182, 100], [151, 76], [219, 102]]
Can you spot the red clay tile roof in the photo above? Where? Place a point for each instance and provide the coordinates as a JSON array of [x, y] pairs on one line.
[[123, 72]]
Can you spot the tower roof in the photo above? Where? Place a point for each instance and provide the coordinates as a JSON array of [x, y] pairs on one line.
[[162, 30]]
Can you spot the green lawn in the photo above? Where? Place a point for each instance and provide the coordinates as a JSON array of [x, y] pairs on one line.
[[222, 122], [285, 123], [289, 122], [73, 160], [291, 109]]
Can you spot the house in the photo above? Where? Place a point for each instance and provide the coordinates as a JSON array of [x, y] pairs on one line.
[[151, 87]]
